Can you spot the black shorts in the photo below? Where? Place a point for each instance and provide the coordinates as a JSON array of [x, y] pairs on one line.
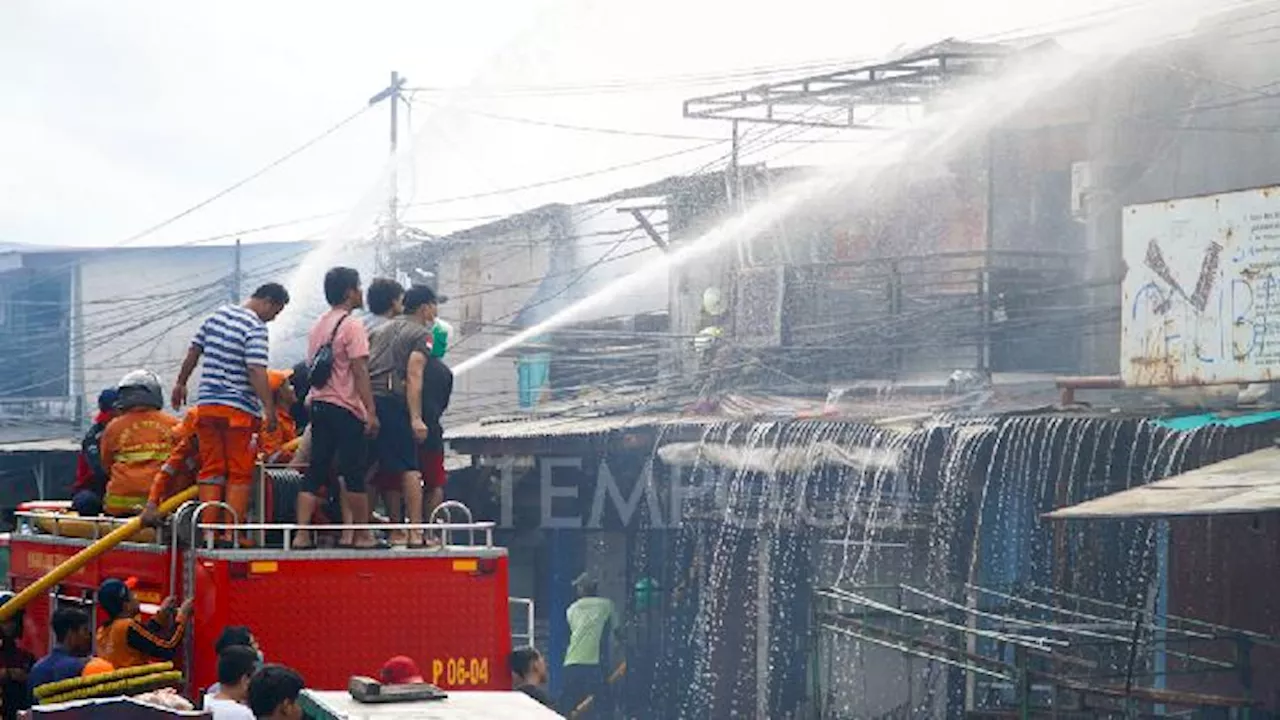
[[337, 442], [397, 449]]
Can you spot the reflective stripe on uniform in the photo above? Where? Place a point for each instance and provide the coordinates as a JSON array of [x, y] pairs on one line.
[[124, 502], [142, 456], [219, 481]]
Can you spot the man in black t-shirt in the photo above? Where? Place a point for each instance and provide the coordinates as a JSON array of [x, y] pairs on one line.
[[529, 670], [437, 388]]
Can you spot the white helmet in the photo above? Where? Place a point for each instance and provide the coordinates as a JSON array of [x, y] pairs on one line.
[[140, 388]]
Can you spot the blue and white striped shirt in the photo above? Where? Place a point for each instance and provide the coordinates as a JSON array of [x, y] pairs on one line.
[[231, 339]]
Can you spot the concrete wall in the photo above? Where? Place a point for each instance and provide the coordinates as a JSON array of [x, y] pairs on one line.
[[139, 308], [489, 280], [515, 274]]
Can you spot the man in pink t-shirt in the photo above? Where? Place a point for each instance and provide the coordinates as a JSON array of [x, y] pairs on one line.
[[341, 409]]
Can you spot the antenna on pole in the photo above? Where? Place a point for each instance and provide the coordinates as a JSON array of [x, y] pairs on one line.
[[388, 248]]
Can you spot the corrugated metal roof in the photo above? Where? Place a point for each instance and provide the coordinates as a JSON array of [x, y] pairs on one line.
[[1249, 483], [568, 425]]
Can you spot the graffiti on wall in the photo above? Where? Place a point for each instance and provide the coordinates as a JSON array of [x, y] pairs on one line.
[[1201, 303]]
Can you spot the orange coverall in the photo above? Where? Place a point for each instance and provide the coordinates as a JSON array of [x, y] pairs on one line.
[[134, 447], [278, 446], [182, 468]]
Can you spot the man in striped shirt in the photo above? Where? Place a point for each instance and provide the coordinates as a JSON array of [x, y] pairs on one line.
[[235, 397]]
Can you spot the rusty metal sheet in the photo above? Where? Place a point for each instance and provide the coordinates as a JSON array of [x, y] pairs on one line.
[[1201, 303]]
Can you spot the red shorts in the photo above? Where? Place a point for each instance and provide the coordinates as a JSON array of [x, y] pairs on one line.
[[432, 464], [388, 481]]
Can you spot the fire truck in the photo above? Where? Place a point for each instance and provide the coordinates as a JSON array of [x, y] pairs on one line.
[[328, 613]]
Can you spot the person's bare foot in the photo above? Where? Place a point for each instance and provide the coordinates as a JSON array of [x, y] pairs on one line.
[[302, 541], [401, 538]]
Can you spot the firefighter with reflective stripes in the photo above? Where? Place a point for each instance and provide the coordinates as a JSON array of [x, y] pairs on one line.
[[136, 443]]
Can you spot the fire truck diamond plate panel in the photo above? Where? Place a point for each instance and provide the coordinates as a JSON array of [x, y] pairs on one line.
[[337, 618], [1201, 304]]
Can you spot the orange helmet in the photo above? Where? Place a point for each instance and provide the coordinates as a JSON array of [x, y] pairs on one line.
[[277, 378], [97, 666]]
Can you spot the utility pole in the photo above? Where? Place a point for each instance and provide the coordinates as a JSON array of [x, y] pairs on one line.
[[388, 249]]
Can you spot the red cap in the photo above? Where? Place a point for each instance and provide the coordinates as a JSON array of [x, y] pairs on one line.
[[400, 670]]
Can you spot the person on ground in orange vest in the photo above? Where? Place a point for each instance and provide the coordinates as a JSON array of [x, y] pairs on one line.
[[136, 443], [126, 640], [235, 398]]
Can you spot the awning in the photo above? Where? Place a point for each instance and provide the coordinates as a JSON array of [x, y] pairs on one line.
[[779, 459], [1246, 484]]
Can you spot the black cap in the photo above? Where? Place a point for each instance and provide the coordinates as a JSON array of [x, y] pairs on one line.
[[112, 595], [419, 295]]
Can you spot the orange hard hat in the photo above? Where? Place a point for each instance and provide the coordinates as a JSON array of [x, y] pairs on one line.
[[97, 666], [277, 378]]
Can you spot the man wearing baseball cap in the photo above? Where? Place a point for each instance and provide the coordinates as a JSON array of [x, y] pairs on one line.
[[91, 476], [591, 619], [398, 354], [126, 640]]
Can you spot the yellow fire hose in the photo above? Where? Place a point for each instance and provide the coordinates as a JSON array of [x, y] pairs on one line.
[[82, 558]]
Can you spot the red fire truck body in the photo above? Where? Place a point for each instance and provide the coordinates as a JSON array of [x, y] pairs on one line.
[[330, 614]]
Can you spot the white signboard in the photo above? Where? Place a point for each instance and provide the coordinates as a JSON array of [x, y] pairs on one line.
[[1201, 301]]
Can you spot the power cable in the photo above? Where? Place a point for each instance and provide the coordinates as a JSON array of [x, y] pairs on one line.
[[248, 179], [224, 192]]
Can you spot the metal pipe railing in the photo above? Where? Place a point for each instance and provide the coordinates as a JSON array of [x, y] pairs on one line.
[[289, 529], [528, 603], [438, 518]]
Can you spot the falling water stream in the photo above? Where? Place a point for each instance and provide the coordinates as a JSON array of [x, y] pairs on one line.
[[981, 484]]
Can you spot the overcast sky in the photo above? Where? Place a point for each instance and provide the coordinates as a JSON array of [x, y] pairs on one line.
[[116, 116]]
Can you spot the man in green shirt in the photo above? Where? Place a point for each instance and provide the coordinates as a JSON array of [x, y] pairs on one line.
[[591, 620]]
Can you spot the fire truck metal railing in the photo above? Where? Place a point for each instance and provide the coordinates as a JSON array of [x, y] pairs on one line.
[[479, 534], [288, 530], [527, 636]]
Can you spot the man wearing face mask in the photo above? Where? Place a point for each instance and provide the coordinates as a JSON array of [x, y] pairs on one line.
[[437, 389]]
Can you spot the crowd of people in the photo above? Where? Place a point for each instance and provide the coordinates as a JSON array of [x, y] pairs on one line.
[[362, 410]]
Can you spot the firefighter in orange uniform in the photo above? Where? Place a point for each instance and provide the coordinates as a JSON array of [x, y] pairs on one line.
[[126, 640], [277, 447], [179, 470], [182, 467], [136, 443]]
